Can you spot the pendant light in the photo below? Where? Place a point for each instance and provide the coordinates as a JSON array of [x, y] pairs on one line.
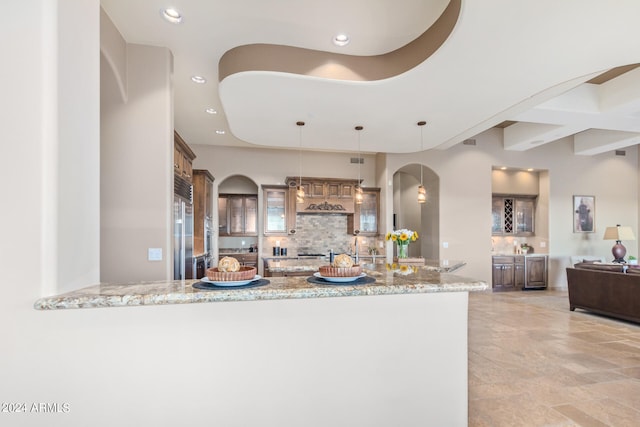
[[299, 189], [422, 193], [358, 196]]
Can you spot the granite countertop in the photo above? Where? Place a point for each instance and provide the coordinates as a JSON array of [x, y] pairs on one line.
[[404, 280], [311, 265]]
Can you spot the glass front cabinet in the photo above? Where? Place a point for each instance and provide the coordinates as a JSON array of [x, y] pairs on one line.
[[279, 213], [513, 216], [237, 215], [366, 216]]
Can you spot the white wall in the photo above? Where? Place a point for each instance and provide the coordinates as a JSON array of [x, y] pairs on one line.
[[136, 174]]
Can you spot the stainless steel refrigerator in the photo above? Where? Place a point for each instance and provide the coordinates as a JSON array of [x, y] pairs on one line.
[[183, 260]]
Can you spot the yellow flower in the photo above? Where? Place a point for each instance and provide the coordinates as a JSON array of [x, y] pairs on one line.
[[404, 237], [415, 236], [388, 236], [394, 237]]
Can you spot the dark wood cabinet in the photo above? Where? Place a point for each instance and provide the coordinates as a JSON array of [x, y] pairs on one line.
[[513, 216], [182, 158], [536, 269], [249, 259], [202, 211], [504, 273], [516, 272], [201, 267]]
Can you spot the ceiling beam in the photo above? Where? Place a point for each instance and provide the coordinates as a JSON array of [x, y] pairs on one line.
[[598, 141]]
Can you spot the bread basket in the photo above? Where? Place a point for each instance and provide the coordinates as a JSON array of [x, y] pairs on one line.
[[245, 273], [329, 271]]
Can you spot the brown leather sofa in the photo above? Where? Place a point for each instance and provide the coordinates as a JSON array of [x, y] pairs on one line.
[[612, 290]]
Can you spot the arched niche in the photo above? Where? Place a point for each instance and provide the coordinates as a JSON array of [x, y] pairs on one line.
[[236, 185], [421, 217]]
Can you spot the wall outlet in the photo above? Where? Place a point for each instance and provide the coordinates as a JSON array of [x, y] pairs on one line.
[[445, 245], [155, 254], [543, 244]]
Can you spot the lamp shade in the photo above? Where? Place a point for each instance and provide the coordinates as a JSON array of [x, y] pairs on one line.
[[619, 232]]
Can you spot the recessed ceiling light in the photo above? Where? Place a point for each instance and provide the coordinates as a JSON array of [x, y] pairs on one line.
[[198, 79], [211, 111], [530, 170], [503, 168], [341, 40], [220, 132], [171, 15]]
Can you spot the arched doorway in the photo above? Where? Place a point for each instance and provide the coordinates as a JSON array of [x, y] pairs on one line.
[[421, 217]]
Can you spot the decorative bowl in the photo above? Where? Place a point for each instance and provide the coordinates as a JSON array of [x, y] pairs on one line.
[[245, 273], [329, 271]]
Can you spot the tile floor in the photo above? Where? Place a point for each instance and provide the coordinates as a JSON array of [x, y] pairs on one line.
[[532, 362]]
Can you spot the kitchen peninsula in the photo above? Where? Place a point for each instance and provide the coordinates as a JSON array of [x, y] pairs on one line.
[[391, 352]]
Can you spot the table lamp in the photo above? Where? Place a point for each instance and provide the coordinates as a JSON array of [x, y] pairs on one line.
[[619, 233]]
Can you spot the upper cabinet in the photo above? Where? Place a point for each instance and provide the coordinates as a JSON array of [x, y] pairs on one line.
[[182, 158], [324, 195], [237, 215], [279, 212], [513, 215], [366, 216]]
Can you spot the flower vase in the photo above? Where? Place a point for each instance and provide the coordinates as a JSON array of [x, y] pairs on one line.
[[403, 251]]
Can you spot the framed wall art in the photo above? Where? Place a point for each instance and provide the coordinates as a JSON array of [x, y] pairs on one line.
[[584, 214]]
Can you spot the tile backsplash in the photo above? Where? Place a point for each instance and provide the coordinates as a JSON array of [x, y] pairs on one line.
[[317, 233], [509, 244]]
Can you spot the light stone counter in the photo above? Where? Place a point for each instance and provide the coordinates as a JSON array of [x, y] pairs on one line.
[[387, 282]]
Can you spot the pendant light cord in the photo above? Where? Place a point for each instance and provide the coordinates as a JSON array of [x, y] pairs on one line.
[[421, 124], [300, 124]]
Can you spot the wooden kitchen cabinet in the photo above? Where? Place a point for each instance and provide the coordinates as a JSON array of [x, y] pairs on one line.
[[279, 211], [366, 216], [324, 188], [513, 216], [238, 215], [182, 158], [536, 272], [340, 190], [249, 259], [518, 272], [504, 273], [202, 211]]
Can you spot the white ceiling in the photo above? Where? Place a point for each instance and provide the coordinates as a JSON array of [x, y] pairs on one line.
[[524, 61]]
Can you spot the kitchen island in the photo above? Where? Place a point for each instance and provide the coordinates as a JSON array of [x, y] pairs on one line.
[[291, 353]]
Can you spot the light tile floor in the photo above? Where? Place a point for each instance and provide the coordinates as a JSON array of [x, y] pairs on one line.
[[532, 362]]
